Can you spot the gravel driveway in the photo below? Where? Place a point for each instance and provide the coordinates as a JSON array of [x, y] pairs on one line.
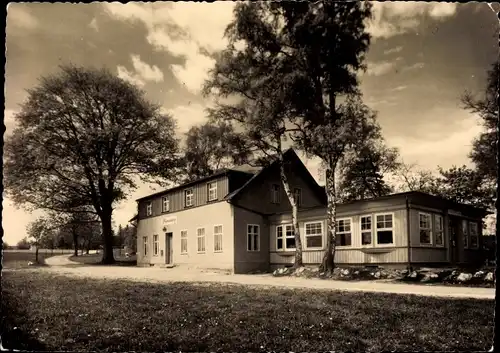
[[62, 265]]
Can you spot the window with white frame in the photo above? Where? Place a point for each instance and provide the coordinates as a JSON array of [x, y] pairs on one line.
[[465, 233], [156, 245], [188, 197], [425, 228], [253, 237], [314, 234], [343, 232], [149, 209], [474, 235], [218, 238], [275, 193], [184, 242], [201, 240], [285, 238], [297, 195], [212, 191], [366, 230], [165, 202], [439, 222], [145, 245], [384, 229]]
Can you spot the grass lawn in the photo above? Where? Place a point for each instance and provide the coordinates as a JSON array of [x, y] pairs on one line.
[[95, 259], [65, 314], [20, 259]]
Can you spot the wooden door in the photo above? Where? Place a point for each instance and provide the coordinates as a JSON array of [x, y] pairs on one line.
[[168, 248]]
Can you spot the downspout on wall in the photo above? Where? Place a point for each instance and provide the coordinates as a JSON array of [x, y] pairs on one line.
[[408, 230]]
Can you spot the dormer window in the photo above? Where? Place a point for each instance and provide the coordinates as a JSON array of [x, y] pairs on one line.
[[149, 209], [212, 191], [275, 193], [188, 198], [165, 202]]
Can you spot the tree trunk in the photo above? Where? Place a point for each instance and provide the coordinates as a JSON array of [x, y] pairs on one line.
[[295, 222], [36, 254], [75, 242], [497, 201], [107, 237], [328, 263]]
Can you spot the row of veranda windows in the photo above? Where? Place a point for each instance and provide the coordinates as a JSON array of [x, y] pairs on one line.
[[381, 231], [433, 233]]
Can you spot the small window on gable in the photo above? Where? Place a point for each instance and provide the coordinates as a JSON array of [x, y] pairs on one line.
[[297, 195], [149, 209], [275, 193]]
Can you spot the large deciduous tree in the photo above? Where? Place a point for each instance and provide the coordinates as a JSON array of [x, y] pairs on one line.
[[83, 136], [253, 71], [212, 146], [328, 41]]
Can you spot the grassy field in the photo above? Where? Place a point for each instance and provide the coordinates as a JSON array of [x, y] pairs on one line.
[[95, 259], [20, 259], [46, 312]]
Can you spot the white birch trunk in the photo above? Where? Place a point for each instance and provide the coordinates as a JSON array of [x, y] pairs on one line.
[[295, 222], [328, 263]]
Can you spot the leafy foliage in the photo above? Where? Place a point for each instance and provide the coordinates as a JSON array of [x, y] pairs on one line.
[[83, 136], [213, 146], [256, 74], [484, 150]]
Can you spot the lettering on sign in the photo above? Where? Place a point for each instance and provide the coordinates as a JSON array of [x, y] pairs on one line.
[[171, 220]]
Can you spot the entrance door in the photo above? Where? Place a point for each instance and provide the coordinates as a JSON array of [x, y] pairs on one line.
[[453, 225], [168, 248]]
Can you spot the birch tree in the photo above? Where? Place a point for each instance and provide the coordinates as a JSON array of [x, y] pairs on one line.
[[252, 70], [329, 42]]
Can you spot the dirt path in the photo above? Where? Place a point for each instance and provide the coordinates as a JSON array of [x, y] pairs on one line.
[[62, 265]]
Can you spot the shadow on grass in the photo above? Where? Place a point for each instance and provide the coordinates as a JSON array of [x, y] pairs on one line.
[[12, 336]]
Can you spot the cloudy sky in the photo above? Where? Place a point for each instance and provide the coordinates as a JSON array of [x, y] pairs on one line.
[[423, 56]]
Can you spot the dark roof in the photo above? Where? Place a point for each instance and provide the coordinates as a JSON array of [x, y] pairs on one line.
[[412, 197], [272, 161], [218, 173]]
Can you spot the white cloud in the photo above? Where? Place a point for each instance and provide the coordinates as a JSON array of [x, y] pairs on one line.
[[143, 72], [399, 88], [19, 17], [126, 75], [415, 66], [93, 24], [393, 50], [188, 116], [444, 150], [147, 72], [380, 68], [393, 18], [198, 27]]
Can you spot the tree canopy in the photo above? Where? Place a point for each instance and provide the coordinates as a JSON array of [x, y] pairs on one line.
[[83, 136]]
